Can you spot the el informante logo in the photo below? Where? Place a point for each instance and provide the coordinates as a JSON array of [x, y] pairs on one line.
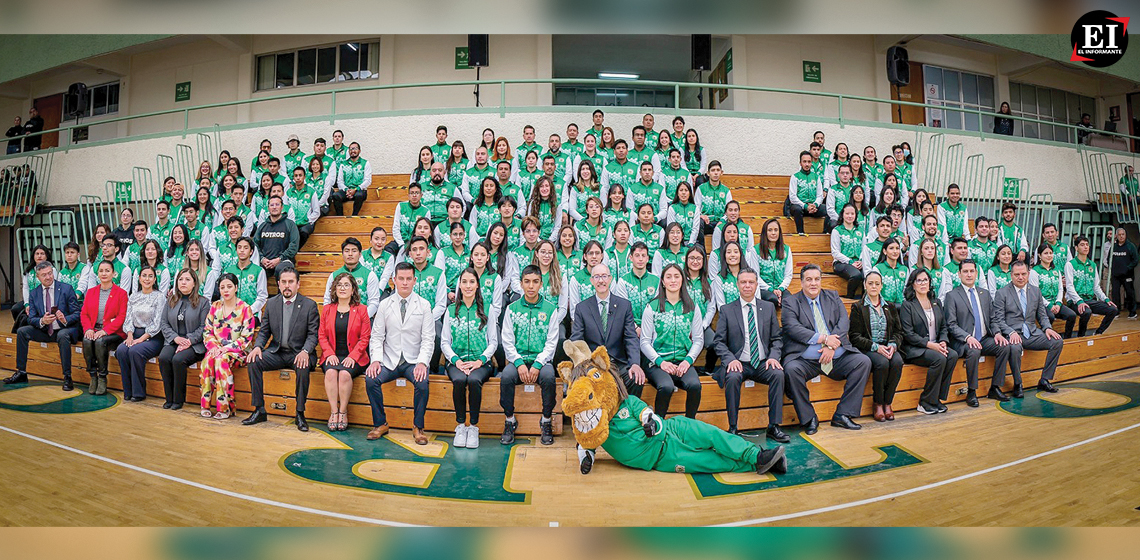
[[1099, 38]]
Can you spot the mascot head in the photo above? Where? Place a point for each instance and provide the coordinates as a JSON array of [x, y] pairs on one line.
[[596, 391]]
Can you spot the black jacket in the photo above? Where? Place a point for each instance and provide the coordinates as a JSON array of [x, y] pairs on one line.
[[15, 132], [861, 325], [1124, 258], [620, 337], [34, 125], [1003, 125], [914, 330]]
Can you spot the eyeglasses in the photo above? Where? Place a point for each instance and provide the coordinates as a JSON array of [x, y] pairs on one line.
[[600, 276], [921, 280]]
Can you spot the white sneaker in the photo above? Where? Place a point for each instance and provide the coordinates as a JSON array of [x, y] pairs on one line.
[[472, 437], [924, 410], [460, 436]]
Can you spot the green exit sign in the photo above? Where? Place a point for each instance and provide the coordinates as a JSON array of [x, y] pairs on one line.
[[812, 72], [182, 91], [462, 56]]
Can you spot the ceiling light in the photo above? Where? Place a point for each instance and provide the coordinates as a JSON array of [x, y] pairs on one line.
[[618, 76]]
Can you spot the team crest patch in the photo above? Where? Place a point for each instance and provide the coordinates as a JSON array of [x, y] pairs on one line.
[[680, 468], [542, 316], [623, 413], [490, 282]]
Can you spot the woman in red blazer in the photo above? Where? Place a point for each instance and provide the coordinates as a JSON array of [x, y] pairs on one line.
[[344, 334], [104, 310]]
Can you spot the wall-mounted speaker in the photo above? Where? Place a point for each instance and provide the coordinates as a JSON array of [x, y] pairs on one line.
[[478, 51]]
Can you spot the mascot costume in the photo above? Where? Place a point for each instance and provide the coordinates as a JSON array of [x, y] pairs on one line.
[[606, 416]]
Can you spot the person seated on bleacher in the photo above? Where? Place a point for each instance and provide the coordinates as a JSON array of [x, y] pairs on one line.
[[748, 256], [454, 256], [122, 273], [1011, 233], [620, 170], [894, 271], [712, 198], [407, 214], [378, 257], [440, 150], [126, 230], [277, 239], [701, 292], [151, 256], [196, 228], [294, 158], [672, 336], [529, 335], [53, 316], [545, 206], [205, 173], [1019, 314], [228, 332], [1001, 270], [260, 164], [694, 157], [959, 252], [441, 234], [485, 207], [183, 319], [143, 327], [774, 262], [179, 241], [354, 176], [329, 164], [579, 283], [831, 165], [338, 151], [1049, 277], [131, 255], [847, 248], [223, 253], [616, 209], [567, 251], [162, 226], [682, 210], [926, 340], [887, 198], [473, 176], [1083, 291], [197, 261], [838, 194], [815, 330], [877, 333], [874, 245], [74, 271], [510, 181], [369, 283], [292, 321], [304, 205], [31, 282], [454, 166], [805, 194], [646, 229], [1051, 237], [982, 247], [469, 340], [502, 153], [436, 192], [672, 249], [930, 230], [898, 227], [104, 310], [892, 174], [592, 153], [584, 187], [953, 214], [563, 162], [274, 172], [177, 201], [972, 331], [646, 191], [731, 216], [223, 166], [345, 334], [251, 285], [640, 152], [669, 167]]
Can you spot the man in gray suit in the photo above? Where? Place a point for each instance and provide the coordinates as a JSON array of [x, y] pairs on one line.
[[1019, 314], [616, 331], [293, 323], [969, 318], [815, 343], [749, 344]]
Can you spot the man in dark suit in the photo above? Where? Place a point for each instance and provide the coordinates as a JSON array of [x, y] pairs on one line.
[[53, 316], [293, 323], [816, 342], [1020, 315], [748, 343], [613, 329], [616, 330], [969, 319]]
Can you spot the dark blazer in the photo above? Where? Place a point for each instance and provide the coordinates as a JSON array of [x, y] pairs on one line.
[[729, 341], [195, 318], [620, 337], [359, 332], [114, 314], [861, 325], [302, 333], [799, 322], [960, 314], [914, 328], [63, 298], [1007, 311]]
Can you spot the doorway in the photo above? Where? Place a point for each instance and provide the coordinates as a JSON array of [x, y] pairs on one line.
[[51, 109], [912, 92]]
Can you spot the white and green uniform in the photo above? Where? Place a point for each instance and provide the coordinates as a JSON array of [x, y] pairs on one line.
[[742, 229], [443, 233], [1014, 237], [874, 174], [580, 288], [549, 220], [671, 335], [639, 290], [612, 216], [669, 177], [686, 216], [435, 198], [366, 280], [1082, 283], [453, 263], [251, 286], [354, 173], [303, 204], [575, 149], [1049, 281], [956, 219], [405, 221], [456, 170], [562, 162], [1129, 185], [894, 281], [523, 149], [521, 191], [711, 201], [530, 332], [725, 290], [293, 161], [588, 233], [465, 337], [74, 276], [805, 188], [378, 265], [337, 154], [846, 244], [432, 286], [624, 174], [831, 172], [665, 256], [837, 197], [485, 215], [133, 255], [441, 152], [1061, 254], [576, 199], [639, 193], [996, 279], [568, 263], [775, 273], [598, 159], [706, 304], [161, 233], [871, 252], [983, 253], [645, 154], [652, 237], [472, 177], [618, 262]]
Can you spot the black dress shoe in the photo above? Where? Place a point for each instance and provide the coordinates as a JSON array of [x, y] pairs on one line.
[[67, 384], [972, 398], [257, 417], [1018, 393], [781, 466], [587, 462], [18, 377], [167, 405], [176, 406], [845, 422], [774, 433], [1045, 385], [942, 408], [734, 431], [997, 395], [812, 426], [768, 459], [301, 423]]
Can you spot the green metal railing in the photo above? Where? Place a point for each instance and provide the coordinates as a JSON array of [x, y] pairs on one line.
[[1102, 180]]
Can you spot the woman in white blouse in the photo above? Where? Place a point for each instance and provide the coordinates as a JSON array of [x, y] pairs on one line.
[[144, 339]]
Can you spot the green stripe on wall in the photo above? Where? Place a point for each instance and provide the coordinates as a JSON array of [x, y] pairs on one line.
[[1058, 47]]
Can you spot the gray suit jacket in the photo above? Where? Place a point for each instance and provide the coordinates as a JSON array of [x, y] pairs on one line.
[[620, 337], [1007, 311], [195, 318], [302, 333], [799, 323], [729, 342], [960, 314]]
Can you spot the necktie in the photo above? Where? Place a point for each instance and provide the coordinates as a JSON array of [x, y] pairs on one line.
[[753, 336], [47, 309], [1024, 314], [604, 311], [977, 315], [286, 322], [821, 327], [403, 308]]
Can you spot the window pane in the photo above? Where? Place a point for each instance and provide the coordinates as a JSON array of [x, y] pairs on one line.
[[1046, 131], [265, 72], [986, 92], [1059, 106], [349, 60], [373, 59], [972, 121], [1061, 134], [1014, 97], [113, 98], [1044, 102], [99, 100], [932, 75], [1088, 105], [1073, 101], [326, 65], [306, 66], [953, 118], [285, 70], [365, 59], [950, 91], [970, 88], [1029, 100]]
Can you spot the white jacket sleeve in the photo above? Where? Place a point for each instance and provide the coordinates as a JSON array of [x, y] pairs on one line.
[[836, 245], [373, 292], [367, 182], [508, 337], [794, 196], [440, 304], [648, 333], [445, 339], [832, 211], [328, 286], [376, 339], [492, 334], [697, 333], [427, 337], [262, 293], [788, 270], [547, 353]]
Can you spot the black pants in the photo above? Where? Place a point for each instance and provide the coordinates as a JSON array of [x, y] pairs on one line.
[[64, 338], [337, 198], [97, 352], [467, 391], [1095, 308], [666, 384], [854, 276], [885, 375], [272, 361], [770, 296], [132, 363], [1038, 342], [510, 379], [797, 213], [1124, 283], [852, 367], [939, 368], [173, 366], [1065, 314], [376, 393], [705, 229], [972, 356], [730, 381], [305, 231], [631, 385]]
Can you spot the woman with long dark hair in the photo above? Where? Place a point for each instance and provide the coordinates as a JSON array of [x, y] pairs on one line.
[[468, 342], [104, 311], [926, 341], [877, 332], [1051, 281], [1004, 125], [672, 336], [227, 336], [143, 327], [183, 319], [774, 261]]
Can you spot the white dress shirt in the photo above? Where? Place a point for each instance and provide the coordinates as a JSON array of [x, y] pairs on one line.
[[746, 355], [973, 292], [409, 340]]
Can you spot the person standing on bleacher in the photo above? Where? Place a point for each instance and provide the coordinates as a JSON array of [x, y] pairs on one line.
[[53, 316]]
